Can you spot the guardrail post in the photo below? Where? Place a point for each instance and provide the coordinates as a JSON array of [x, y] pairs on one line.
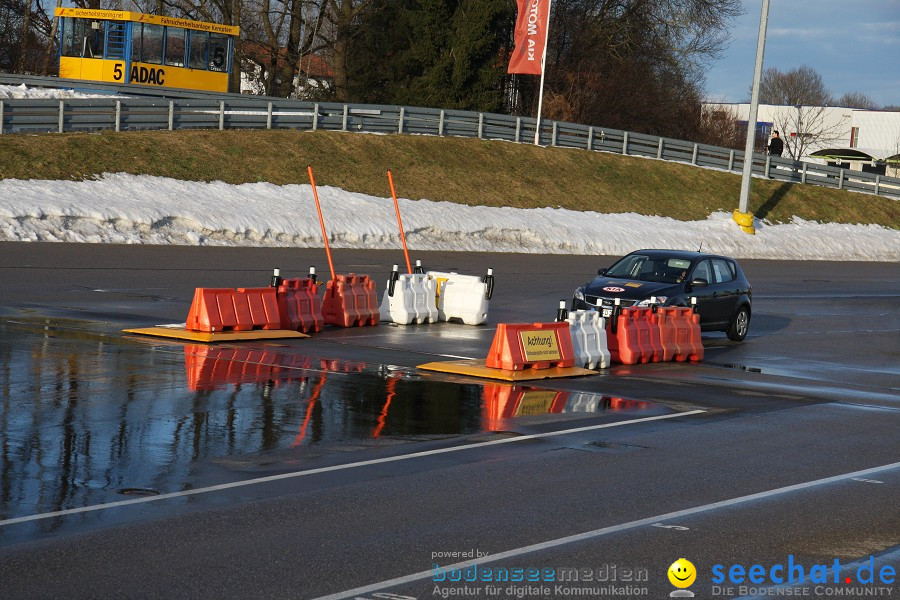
[[269, 116], [518, 129], [480, 125], [659, 149], [2, 110], [694, 155], [441, 123], [221, 115], [118, 115], [731, 160], [877, 177], [344, 118], [553, 135], [62, 110], [768, 165], [171, 115], [625, 143], [803, 176], [841, 179], [315, 116], [402, 116], [590, 145]]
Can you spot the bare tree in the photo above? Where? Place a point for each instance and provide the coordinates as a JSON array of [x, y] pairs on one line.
[[342, 17], [807, 128], [800, 86], [856, 100], [720, 126]]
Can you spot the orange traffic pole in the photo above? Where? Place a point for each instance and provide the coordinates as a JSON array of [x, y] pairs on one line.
[[312, 182], [399, 222]]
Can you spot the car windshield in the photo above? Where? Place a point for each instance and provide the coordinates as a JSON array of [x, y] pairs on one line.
[[663, 269]]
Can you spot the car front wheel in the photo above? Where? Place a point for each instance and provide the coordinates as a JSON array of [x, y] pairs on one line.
[[740, 325]]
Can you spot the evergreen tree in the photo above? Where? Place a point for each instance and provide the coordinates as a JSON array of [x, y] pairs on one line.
[[438, 53]]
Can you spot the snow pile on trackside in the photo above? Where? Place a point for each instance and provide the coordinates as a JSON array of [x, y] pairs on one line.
[[18, 92], [140, 209]]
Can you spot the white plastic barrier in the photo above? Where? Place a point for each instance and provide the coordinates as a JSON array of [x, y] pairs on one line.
[[463, 297], [412, 301], [583, 402], [588, 332]]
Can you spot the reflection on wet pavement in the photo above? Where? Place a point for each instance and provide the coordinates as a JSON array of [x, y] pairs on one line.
[[87, 416]]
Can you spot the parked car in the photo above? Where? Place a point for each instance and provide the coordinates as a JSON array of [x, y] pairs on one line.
[[671, 278]]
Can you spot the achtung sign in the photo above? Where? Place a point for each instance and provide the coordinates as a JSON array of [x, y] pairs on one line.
[[535, 403], [539, 345]]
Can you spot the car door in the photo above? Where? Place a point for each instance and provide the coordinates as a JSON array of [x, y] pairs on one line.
[[728, 290], [704, 295]]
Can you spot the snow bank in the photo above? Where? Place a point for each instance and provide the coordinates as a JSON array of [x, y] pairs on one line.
[[122, 208], [16, 92]]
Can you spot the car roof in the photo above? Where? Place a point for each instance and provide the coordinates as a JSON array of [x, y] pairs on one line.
[[686, 254]]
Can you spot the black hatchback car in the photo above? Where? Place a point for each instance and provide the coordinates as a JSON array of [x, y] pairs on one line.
[[671, 278]]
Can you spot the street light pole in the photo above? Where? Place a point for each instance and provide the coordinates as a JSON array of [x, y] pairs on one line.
[[741, 215]]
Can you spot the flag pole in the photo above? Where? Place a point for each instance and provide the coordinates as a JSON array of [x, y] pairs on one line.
[[537, 126]]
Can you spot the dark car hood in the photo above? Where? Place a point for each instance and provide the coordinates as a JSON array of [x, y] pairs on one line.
[[631, 289]]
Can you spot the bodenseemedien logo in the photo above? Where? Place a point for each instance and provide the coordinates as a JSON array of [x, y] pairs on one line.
[[682, 574]]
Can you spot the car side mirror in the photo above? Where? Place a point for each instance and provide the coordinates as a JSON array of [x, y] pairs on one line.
[[699, 282], [601, 271]]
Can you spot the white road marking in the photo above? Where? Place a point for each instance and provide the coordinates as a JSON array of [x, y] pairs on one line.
[[866, 480], [675, 527], [363, 463], [606, 530]]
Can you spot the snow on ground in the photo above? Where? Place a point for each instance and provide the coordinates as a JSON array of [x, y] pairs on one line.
[[16, 92], [120, 208]]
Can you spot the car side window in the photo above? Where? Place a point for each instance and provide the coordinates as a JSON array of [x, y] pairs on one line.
[[703, 271], [723, 271]]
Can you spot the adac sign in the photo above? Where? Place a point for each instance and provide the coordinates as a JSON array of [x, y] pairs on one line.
[[149, 75]]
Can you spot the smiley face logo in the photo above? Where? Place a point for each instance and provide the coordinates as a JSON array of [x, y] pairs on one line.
[[682, 573]]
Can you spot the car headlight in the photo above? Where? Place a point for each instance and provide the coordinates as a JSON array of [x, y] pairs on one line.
[[579, 293], [659, 300]]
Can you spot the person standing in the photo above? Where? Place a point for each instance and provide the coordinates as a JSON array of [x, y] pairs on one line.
[[776, 146]]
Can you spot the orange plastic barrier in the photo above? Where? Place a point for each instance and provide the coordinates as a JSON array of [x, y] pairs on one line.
[[210, 367], [299, 305], [506, 401], [263, 305], [688, 345], [654, 347], [245, 309], [664, 321], [520, 346], [350, 301], [696, 353], [628, 344]]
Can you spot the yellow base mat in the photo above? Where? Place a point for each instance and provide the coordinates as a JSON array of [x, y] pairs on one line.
[[476, 368], [180, 333]]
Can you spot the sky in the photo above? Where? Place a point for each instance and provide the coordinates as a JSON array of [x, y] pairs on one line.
[[140, 209], [854, 45]]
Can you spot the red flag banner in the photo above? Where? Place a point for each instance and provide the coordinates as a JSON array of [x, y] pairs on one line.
[[531, 23]]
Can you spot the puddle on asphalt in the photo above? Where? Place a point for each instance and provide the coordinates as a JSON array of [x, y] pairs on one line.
[[87, 416]]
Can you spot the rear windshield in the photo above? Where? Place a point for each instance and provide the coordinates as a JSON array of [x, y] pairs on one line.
[[663, 269]]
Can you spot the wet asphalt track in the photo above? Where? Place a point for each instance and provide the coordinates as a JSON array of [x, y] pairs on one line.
[[794, 452]]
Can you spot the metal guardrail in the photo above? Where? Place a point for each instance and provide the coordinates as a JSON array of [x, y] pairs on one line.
[[209, 110]]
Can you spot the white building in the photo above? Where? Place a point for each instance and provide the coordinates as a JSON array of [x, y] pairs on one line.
[[869, 140]]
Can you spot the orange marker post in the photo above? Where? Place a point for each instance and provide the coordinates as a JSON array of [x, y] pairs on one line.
[[312, 182], [399, 222]]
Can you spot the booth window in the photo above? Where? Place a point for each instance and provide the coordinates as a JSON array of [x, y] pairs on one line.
[[199, 42], [83, 38], [175, 46], [218, 52], [152, 44], [136, 31]]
